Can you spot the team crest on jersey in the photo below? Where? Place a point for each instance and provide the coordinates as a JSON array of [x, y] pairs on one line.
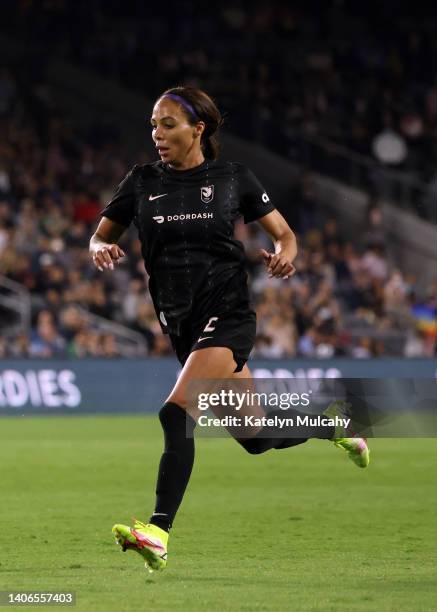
[[207, 194]]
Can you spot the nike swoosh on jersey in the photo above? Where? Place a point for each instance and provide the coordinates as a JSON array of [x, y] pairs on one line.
[[152, 197], [205, 338]]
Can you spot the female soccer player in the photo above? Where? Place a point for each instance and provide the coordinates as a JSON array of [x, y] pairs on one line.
[[185, 207]]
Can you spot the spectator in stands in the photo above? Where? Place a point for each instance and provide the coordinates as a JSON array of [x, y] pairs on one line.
[[46, 341]]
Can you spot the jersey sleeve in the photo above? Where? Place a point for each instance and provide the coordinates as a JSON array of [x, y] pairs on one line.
[[254, 201], [121, 207]]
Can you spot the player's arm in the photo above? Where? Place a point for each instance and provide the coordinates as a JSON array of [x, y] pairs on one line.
[[103, 244], [279, 263]]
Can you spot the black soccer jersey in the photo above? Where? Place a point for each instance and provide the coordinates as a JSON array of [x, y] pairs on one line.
[[185, 221]]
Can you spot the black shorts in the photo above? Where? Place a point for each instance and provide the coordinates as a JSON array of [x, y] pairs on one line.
[[235, 330]]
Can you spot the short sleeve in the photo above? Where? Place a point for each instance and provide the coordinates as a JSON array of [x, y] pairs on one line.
[[121, 207], [254, 201]]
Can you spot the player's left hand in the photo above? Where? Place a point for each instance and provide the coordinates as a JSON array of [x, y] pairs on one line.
[[278, 265]]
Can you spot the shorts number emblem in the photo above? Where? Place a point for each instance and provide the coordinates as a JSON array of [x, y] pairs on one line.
[[209, 327]]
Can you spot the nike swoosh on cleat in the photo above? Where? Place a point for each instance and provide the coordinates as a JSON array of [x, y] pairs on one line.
[[205, 338], [157, 196], [143, 541]]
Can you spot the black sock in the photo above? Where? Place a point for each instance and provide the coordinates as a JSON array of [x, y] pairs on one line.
[[175, 465], [272, 436]]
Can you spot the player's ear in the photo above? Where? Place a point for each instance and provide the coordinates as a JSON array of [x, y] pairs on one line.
[[199, 128]]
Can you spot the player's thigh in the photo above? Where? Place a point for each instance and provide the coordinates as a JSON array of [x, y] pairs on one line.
[[245, 382], [212, 363]]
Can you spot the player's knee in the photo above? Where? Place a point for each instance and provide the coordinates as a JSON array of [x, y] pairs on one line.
[[171, 414], [173, 418], [178, 399]]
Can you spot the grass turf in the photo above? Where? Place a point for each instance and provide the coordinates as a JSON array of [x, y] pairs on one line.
[[297, 529]]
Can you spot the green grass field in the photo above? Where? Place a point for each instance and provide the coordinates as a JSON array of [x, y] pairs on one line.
[[297, 529]]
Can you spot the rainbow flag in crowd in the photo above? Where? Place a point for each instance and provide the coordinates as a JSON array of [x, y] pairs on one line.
[[426, 319]]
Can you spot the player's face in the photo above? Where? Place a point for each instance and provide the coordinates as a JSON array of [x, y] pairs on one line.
[[175, 138]]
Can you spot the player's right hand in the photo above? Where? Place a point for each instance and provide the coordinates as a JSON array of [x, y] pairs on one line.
[[106, 255]]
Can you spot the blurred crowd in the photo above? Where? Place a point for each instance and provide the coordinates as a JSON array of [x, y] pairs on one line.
[[279, 69], [359, 75], [345, 298]]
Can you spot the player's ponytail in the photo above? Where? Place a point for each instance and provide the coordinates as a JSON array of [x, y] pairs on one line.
[[198, 106]]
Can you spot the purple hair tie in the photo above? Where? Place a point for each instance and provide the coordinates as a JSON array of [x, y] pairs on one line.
[[182, 102]]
